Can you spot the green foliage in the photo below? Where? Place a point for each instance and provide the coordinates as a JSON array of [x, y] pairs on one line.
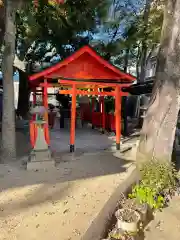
[[145, 194], [116, 235], [160, 175], [64, 27], [120, 235], [134, 35], [158, 180]]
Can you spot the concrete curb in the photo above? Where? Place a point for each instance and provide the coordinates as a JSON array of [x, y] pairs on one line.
[[99, 225]]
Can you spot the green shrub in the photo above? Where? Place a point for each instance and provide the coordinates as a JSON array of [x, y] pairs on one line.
[[145, 194], [159, 175], [158, 180]]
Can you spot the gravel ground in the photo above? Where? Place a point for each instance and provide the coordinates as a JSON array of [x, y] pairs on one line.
[[60, 204], [57, 204]]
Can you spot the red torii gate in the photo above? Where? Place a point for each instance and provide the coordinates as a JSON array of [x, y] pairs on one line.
[[83, 69]]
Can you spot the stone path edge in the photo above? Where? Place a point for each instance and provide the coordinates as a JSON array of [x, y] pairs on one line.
[[99, 225]]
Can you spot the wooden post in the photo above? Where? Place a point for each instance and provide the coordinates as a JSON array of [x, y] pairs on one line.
[[92, 111], [45, 99], [34, 98], [45, 103], [99, 105], [34, 104], [118, 116], [103, 113], [73, 119]]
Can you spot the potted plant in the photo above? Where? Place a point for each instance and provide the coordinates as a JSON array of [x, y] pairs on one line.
[[133, 203], [128, 220]]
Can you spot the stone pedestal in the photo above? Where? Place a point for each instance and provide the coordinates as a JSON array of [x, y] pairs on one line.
[[40, 160], [40, 156]]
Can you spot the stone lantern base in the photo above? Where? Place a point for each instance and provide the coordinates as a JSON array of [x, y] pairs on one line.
[[40, 160], [40, 156]]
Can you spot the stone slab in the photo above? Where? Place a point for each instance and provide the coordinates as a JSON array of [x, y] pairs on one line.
[[41, 165], [43, 155]]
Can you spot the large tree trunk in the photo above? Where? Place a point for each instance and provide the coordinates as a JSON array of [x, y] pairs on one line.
[[159, 126], [1, 23], [144, 42], [126, 61], [8, 118], [23, 99]]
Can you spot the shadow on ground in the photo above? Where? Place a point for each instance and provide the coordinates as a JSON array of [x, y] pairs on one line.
[[40, 187], [90, 167]]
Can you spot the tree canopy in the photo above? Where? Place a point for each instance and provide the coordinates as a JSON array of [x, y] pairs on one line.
[[48, 31], [127, 30], [57, 29]]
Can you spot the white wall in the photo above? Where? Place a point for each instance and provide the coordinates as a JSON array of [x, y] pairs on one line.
[[51, 99], [16, 93]]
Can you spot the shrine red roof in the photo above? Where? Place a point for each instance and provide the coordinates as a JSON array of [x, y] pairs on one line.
[[84, 63]]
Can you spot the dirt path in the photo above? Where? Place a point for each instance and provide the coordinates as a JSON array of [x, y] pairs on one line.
[[166, 225], [57, 204]]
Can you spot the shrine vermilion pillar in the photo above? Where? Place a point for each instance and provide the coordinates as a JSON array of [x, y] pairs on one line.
[[73, 119], [118, 116]]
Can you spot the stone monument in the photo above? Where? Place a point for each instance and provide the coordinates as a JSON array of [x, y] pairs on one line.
[[40, 156]]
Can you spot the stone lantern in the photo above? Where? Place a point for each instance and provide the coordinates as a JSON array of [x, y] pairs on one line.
[[40, 156]]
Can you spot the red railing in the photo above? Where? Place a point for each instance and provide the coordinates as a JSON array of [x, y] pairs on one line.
[[97, 119], [109, 121]]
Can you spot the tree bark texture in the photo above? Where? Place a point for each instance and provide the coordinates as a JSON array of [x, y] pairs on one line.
[[157, 136], [8, 118]]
